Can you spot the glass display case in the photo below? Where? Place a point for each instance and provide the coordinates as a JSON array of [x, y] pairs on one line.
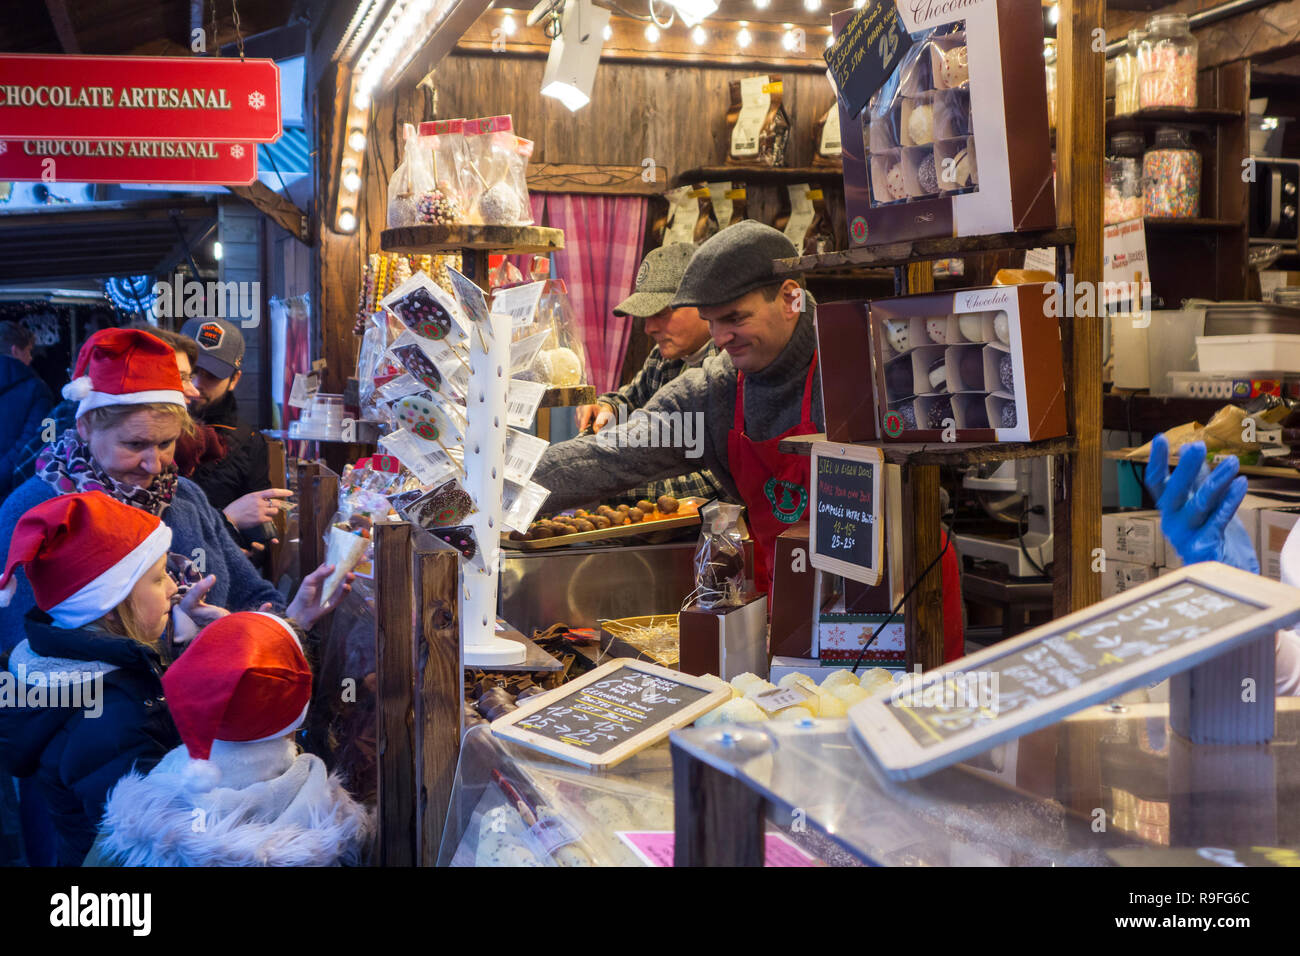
[[1110, 778]]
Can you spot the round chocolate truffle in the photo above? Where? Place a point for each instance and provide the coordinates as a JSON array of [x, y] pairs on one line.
[[940, 409], [925, 175], [1006, 373], [1009, 415], [898, 379], [938, 375], [907, 413], [971, 370]]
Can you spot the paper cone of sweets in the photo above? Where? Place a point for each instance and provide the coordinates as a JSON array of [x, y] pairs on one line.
[[344, 550]]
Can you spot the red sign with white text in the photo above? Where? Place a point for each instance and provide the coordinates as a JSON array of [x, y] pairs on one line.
[[139, 97], [135, 161]]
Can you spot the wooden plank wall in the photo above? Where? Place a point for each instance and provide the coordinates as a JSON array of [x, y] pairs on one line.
[[239, 228], [1268, 31]]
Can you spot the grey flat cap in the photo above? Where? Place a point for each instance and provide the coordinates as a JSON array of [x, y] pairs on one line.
[[734, 261], [657, 280]]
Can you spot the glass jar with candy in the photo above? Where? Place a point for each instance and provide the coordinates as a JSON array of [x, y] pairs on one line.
[[1166, 62], [1122, 193], [1126, 75], [1171, 176]]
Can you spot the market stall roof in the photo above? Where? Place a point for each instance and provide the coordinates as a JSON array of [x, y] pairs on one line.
[[101, 239], [150, 27]]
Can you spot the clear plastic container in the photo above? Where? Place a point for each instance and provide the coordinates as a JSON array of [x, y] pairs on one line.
[[1166, 62], [1126, 75], [1123, 178], [1171, 176]]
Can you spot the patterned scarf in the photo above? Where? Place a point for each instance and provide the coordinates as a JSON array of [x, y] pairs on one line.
[[67, 467]]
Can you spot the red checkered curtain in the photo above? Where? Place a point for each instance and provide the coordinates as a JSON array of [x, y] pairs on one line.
[[602, 250]]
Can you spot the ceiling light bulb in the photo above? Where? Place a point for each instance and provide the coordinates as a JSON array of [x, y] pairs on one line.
[[812, 5], [217, 251], [762, 4], [1053, 14], [699, 36], [347, 221], [362, 100], [508, 25], [652, 33], [608, 32], [830, 39], [787, 40], [743, 37], [357, 140], [351, 180]]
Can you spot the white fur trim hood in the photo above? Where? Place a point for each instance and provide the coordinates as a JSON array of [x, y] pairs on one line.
[[272, 809]]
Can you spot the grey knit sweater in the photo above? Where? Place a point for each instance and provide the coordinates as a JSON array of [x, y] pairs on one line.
[[596, 467]]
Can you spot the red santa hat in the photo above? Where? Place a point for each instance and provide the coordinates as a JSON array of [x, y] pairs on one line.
[[244, 679], [82, 555], [124, 367]]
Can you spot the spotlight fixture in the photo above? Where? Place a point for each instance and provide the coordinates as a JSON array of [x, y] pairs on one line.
[[357, 140], [812, 5], [762, 4], [575, 54], [347, 221], [351, 180]]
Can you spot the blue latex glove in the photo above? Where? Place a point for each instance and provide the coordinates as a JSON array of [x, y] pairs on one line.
[[1198, 506]]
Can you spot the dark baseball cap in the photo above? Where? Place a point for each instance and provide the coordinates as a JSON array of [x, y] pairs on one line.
[[221, 345], [657, 280], [731, 263]]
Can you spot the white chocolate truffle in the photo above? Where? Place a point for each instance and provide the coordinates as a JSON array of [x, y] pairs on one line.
[[850, 694], [875, 679], [937, 329], [1002, 328], [972, 326], [794, 713], [832, 706], [838, 678], [956, 67], [897, 334], [798, 680], [740, 711], [894, 182], [742, 682], [560, 367], [753, 690], [920, 124]]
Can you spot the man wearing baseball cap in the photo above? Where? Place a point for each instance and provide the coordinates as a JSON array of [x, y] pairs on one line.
[[763, 386], [681, 340], [229, 481]]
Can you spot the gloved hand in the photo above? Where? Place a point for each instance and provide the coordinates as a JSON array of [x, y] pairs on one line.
[[1198, 507]]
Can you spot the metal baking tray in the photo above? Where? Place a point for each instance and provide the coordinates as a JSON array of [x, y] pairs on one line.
[[650, 530]]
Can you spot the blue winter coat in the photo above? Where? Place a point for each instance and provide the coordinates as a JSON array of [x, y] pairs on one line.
[[195, 525], [25, 400], [115, 722]]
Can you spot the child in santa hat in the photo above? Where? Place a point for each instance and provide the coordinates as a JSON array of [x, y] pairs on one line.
[[238, 792], [82, 700]]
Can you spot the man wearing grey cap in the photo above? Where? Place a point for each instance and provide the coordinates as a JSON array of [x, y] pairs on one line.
[[762, 386], [681, 341]]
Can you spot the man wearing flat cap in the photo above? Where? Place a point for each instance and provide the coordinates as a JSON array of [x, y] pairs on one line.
[[763, 386], [681, 340]]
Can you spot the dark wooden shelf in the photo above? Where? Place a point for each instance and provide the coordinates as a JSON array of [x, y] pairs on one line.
[[426, 240], [890, 254], [1255, 471], [1152, 116], [757, 175], [1192, 225], [568, 397], [1146, 414], [944, 453]]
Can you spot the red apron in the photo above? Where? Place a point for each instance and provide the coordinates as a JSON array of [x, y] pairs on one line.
[[774, 486]]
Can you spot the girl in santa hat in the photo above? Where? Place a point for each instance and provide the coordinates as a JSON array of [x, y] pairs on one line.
[[131, 413], [238, 792], [82, 696]]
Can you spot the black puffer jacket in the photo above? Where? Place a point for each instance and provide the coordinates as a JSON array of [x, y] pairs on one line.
[[244, 468], [77, 753]]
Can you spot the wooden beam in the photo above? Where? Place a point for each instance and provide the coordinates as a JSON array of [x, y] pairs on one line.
[[394, 704], [63, 28], [595, 178], [1080, 148], [628, 43], [443, 40], [280, 43], [923, 615], [276, 207], [440, 697]]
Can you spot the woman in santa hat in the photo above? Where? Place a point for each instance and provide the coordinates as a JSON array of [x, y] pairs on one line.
[[238, 792], [131, 413], [81, 701]]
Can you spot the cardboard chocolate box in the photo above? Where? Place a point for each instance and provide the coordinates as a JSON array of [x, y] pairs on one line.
[[956, 141]]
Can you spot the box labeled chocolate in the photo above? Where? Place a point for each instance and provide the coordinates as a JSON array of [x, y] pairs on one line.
[[975, 365], [955, 143]]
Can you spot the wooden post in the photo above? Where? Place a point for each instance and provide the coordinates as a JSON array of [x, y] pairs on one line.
[[1080, 130], [719, 820], [394, 705], [923, 620], [439, 697], [277, 472], [309, 543], [325, 500]]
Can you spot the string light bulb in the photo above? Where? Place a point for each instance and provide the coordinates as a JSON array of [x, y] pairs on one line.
[[652, 33], [812, 5], [698, 36], [357, 140], [351, 180], [347, 221], [508, 26], [762, 4], [608, 32], [743, 38]]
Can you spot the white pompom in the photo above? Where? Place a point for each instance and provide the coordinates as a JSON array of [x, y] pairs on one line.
[[78, 389], [8, 591], [201, 775]]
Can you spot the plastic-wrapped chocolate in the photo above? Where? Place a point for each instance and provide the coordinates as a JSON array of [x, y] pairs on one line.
[[719, 558], [495, 703], [760, 127]]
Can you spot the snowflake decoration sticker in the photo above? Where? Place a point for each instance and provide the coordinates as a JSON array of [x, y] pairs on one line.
[[237, 151], [256, 100]]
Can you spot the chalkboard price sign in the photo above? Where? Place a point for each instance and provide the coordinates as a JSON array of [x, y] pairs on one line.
[[845, 525], [866, 51], [605, 716], [1141, 636]]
